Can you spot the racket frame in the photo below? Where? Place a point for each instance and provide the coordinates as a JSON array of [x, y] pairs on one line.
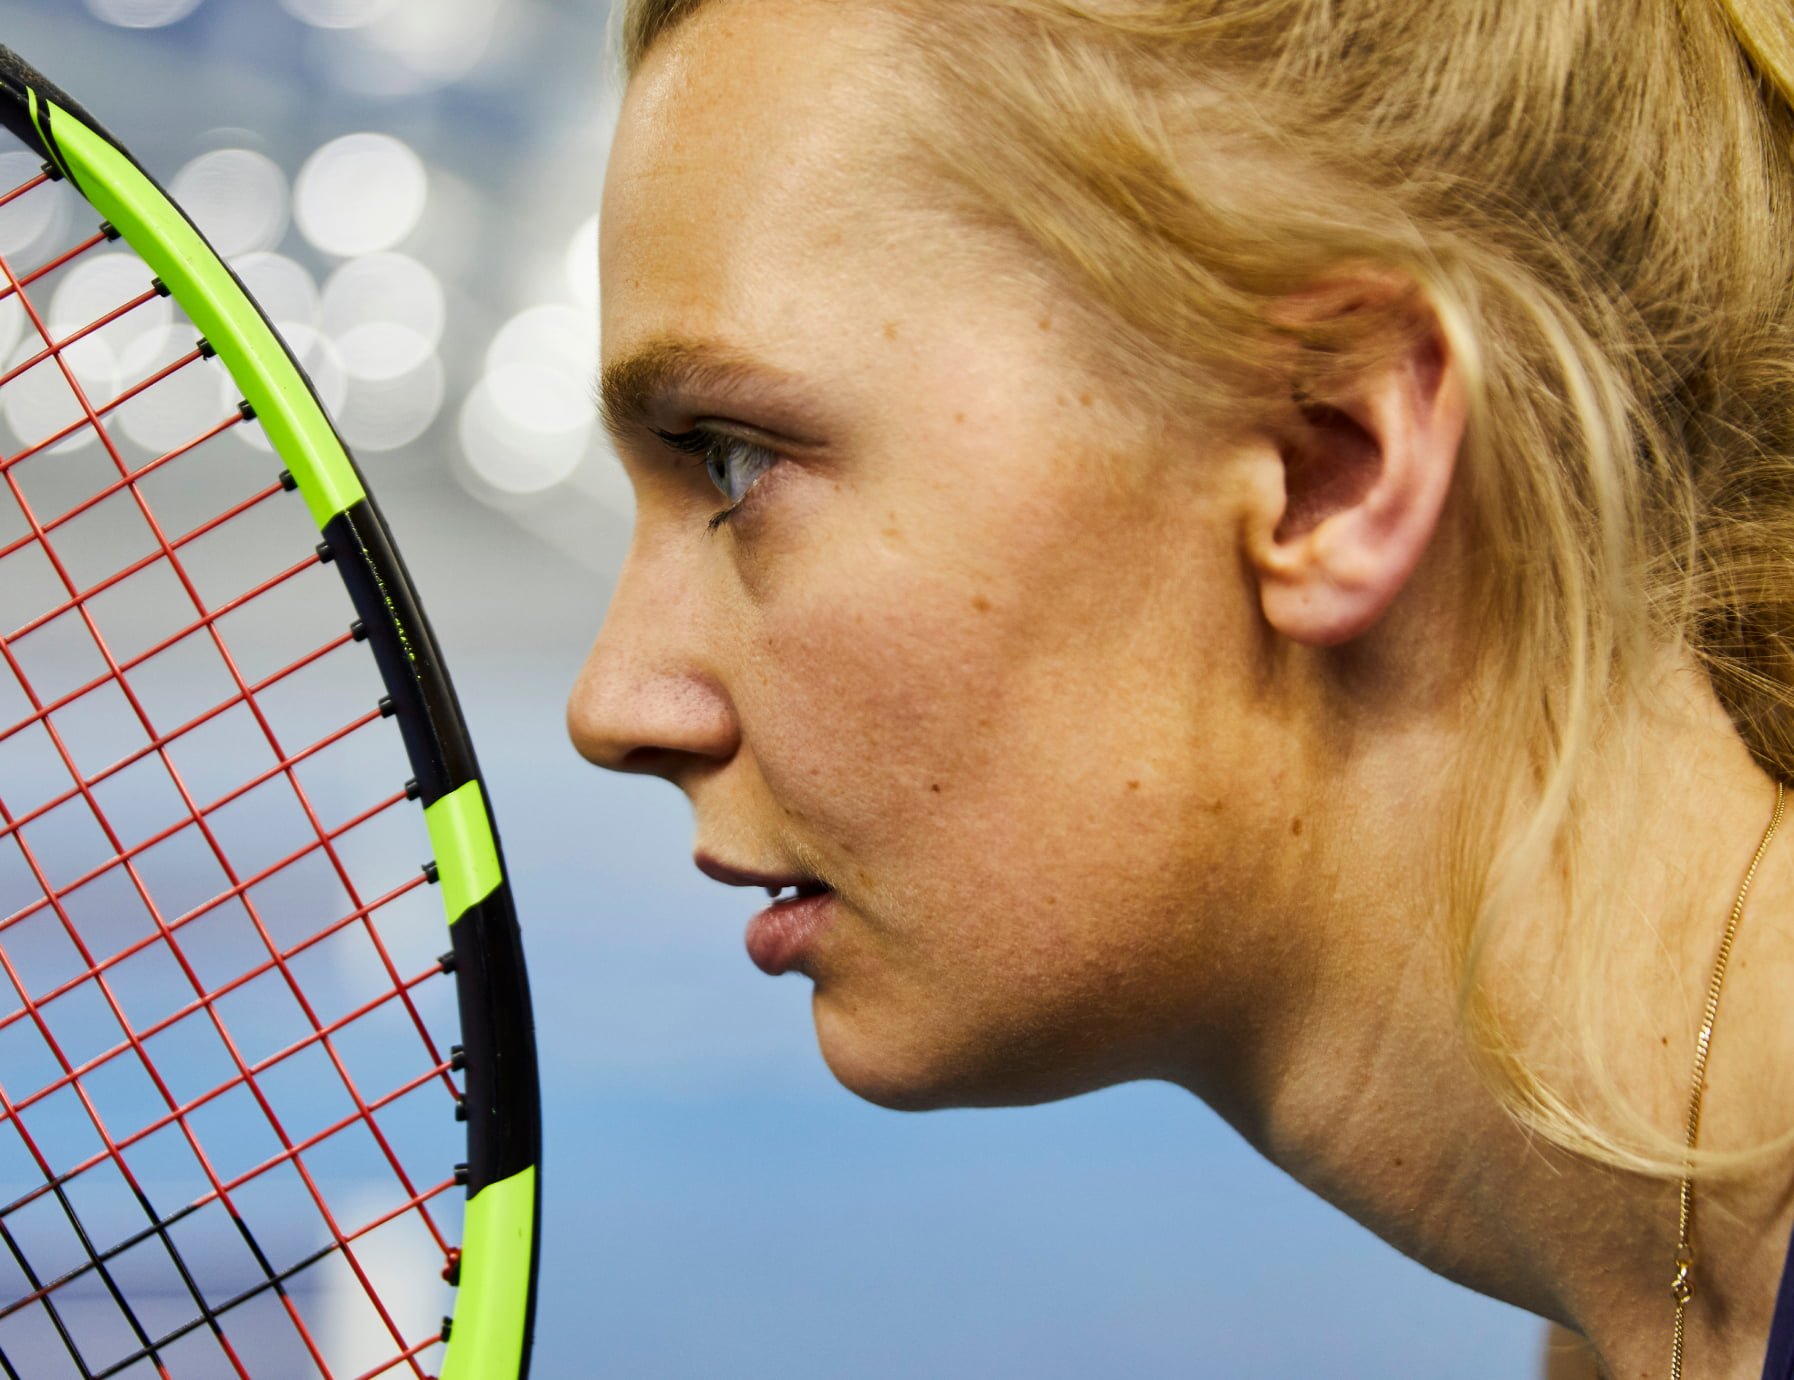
[[493, 1324]]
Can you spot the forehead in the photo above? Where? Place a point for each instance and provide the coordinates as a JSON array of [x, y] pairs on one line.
[[744, 171]]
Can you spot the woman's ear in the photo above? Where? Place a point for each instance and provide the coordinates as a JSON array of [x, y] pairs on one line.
[[1364, 473]]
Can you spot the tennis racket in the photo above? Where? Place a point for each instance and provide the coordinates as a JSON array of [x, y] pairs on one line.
[[234, 1067]]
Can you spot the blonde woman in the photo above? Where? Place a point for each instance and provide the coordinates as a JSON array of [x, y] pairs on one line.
[[1249, 543]]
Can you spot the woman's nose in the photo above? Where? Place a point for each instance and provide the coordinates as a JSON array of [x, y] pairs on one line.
[[647, 699]]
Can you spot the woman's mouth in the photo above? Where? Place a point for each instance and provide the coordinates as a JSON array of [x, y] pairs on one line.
[[778, 935]]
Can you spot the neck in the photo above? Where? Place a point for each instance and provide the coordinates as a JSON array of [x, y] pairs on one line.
[[1391, 1120]]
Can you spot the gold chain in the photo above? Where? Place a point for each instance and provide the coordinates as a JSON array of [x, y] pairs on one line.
[[1682, 1286]]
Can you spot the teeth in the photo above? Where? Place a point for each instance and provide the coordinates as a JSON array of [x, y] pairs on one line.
[[801, 889]]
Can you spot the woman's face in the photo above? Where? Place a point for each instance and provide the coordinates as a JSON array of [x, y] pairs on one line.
[[976, 649]]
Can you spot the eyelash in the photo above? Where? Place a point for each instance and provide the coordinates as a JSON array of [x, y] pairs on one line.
[[702, 444]]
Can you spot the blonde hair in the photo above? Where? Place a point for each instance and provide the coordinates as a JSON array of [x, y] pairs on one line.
[[1596, 199]]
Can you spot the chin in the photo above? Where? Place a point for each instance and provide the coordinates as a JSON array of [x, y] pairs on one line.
[[907, 1069]]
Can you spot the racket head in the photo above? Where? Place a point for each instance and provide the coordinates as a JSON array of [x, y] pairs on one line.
[[495, 1264]]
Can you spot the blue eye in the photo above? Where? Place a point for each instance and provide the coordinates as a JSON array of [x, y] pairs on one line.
[[720, 454]]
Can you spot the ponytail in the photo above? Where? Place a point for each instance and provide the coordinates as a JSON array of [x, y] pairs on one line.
[[1765, 30]]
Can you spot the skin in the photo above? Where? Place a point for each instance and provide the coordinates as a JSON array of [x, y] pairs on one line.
[[1127, 749]]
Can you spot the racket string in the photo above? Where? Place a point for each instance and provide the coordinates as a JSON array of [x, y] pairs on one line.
[[174, 1018], [174, 735], [211, 629], [212, 842], [94, 969], [95, 1260]]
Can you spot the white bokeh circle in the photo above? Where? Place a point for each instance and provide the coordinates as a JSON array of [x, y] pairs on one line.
[[553, 335], [142, 14], [34, 217], [386, 413], [360, 194], [437, 40], [386, 314], [237, 197], [101, 283], [283, 287], [13, 324], [38, 402], [582, 265], [337, 14], [180, 407], [521, 432]]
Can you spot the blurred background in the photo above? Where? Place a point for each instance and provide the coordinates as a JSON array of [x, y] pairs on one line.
[[411, 187]]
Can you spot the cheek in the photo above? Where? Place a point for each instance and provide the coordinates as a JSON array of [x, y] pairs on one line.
[[1024, 773]]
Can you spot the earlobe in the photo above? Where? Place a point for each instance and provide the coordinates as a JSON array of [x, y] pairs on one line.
[[1364, 477]]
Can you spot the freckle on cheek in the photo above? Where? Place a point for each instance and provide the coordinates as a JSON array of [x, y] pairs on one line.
[[1295, 825], [935, 787], [890, 330], [1133, 785], [980, 603]]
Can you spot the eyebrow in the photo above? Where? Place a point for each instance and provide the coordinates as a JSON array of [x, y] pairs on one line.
[[629, 387]]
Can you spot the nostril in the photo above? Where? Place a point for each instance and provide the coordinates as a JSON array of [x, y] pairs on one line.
[[643, 722]]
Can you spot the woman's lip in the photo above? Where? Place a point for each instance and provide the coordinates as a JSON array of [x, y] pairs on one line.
[[778, 935], [720, 871]]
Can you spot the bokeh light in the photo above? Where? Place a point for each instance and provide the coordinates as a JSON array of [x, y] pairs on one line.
[[32, 220], [360, 194], [527, 424], [187, 403], [337, 14], [13, 323], [521, 432], [552, 336], [385, 313], [283, 287], [100, 284], [386, 413], [142, 14], [412, 46], [237, 197], [582, 265], [39, 402], [439, 40]]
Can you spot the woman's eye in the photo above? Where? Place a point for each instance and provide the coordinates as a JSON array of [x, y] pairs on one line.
[[734, 465]]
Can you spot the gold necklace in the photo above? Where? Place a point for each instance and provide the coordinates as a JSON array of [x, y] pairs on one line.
[[1682, 1286]]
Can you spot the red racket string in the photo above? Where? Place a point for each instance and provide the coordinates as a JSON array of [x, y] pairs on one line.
[[174, 735], [15, 285], [213, 995], [88, 504], [92, 419], [32, 361], [119, 400], [227, 1186], [198, 820], [95, 969]]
